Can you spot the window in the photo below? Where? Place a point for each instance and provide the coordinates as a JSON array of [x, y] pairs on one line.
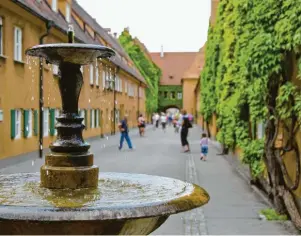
[[55, 69], [173, 95], [54, 5], [18, 124], [30, 128], [18, 44], [179, 95], [68, 12], [120, 85], [46, 122], [82, 69], [1, 36], [260, 130], [92, 118], [56, 114], [91, 74], [97, 118], [1, 115], [96, 74], [82, 115], [165, 94], [125, 86]]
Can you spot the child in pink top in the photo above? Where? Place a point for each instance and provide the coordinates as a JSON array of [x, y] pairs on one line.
[[204, 146]]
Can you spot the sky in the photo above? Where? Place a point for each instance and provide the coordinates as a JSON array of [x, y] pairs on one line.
[[177, 25]]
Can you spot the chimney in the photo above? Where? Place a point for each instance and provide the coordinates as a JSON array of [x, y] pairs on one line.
[[115, 35], [108, 30], [162, 52]]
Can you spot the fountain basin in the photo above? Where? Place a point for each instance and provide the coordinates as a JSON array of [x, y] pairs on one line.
[[75, 53], [122, 204]]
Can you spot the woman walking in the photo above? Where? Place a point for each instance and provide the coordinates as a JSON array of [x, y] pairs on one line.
[[184, 131]]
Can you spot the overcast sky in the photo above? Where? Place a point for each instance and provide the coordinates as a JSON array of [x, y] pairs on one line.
[[178, 25]]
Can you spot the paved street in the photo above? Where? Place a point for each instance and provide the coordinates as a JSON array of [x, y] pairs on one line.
[[233, 208]]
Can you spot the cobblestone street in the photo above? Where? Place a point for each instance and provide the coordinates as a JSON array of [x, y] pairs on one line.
[[233, 207]]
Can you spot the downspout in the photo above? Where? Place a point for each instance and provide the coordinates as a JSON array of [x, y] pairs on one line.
[[138, 110], [114, 91], [49, 24]]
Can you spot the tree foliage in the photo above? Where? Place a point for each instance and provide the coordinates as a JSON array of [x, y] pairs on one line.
[[244, 49], [149, 70]]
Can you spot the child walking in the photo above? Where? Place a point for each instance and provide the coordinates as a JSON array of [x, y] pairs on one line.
[[204, 147]]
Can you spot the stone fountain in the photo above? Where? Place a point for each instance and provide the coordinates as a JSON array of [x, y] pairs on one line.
[[70, 196]]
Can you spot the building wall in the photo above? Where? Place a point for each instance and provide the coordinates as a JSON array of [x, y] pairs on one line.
[[189, 96], [19, 86], [166, 99]]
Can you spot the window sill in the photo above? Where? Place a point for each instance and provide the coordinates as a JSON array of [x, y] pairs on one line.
[[19, 62], [3, 57]]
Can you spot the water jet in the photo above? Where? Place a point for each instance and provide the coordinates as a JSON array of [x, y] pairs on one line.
[[70, 195]]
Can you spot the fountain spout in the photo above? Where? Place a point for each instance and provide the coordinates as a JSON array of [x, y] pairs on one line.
[[70, 34]]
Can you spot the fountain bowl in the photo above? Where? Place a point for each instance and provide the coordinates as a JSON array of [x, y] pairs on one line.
[[123, 203], [75, 53]]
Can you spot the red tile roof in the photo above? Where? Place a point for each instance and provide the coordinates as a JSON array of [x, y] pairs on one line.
[[195, 68], [43, 11], [173, 65]]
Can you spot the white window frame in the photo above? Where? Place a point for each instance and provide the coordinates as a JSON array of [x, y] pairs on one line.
[[179, 95], [97, 118], [56, 114], [18, 44], [82, 115], [120, 85], [54, 5], [1, 35], [68, 12], [18, 123], [93, 119], [30, 127], [82, 69], [125, 86], [260, 130], [91, 74], [96, 74], [55, 69], [45, 122]]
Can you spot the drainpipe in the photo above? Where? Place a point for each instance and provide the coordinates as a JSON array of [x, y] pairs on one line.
[[138, 99], [114, 97], [49, 24]]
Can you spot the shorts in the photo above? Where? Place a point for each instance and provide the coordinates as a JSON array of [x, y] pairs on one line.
[[204, 150]]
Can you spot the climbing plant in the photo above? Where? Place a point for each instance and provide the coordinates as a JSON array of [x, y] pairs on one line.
[[149, 70], [251, 56]]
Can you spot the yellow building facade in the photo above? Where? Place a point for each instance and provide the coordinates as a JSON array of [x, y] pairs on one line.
[[111, 89]]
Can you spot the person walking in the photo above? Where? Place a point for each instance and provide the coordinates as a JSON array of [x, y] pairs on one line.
[[157, 118], [163, 121], [184, 131], [141, 125], [124, 134], [204, 146]]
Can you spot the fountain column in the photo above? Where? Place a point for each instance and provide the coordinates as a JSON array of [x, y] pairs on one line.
[[70, 164]]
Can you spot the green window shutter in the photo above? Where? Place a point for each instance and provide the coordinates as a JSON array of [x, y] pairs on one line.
[[52, 121], [35, 124], [25, 123], [13, 123]]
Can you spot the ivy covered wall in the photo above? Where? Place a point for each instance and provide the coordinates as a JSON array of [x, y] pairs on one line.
[[170, 96], [251, 55], [149, 70]]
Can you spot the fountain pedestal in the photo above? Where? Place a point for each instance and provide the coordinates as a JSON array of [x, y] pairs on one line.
[[69, 165]]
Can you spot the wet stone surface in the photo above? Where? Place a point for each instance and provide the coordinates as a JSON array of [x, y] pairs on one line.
[[117, 196]]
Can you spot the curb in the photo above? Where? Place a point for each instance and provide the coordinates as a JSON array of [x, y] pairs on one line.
[[288, 225]]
